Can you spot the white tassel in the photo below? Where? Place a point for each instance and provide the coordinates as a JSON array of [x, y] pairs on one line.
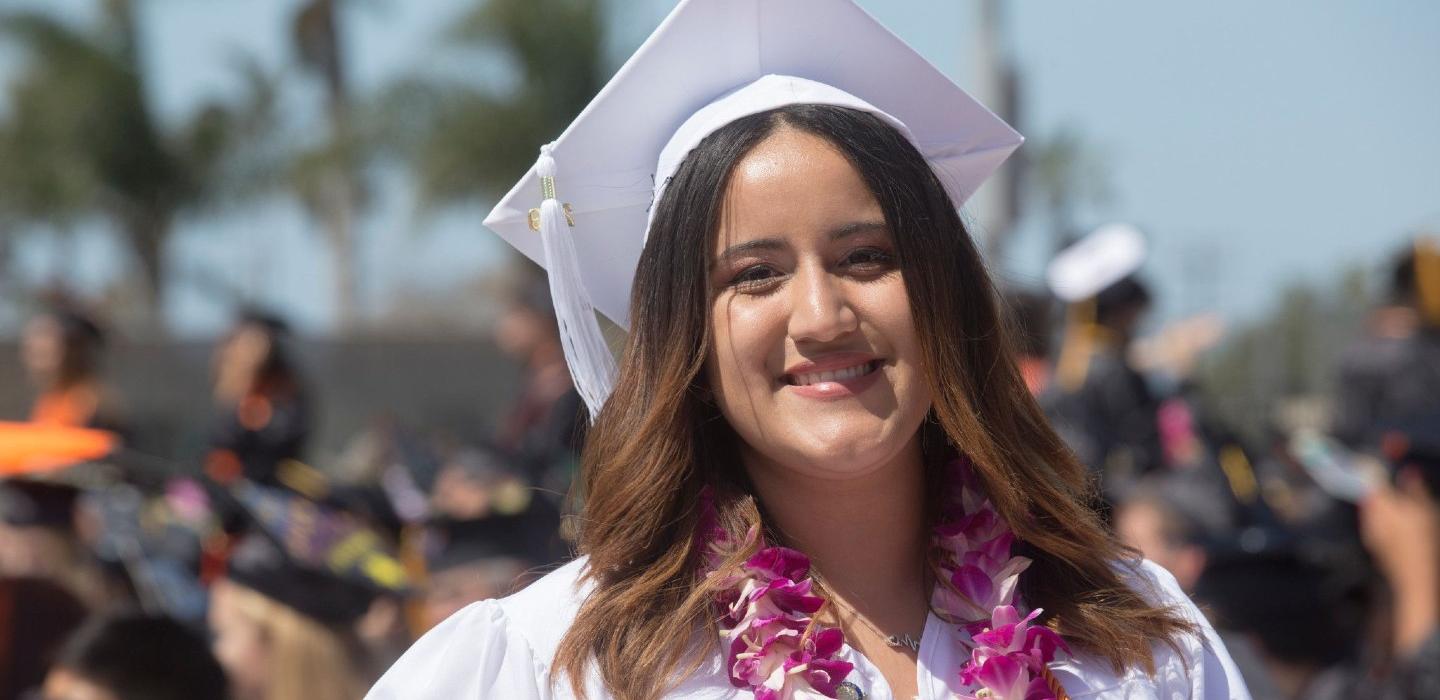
[[592, 367]]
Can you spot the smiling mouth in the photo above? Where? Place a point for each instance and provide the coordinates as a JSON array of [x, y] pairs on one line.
[[834, 375]]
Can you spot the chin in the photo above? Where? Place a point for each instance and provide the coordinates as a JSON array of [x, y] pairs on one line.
[[841, 450]]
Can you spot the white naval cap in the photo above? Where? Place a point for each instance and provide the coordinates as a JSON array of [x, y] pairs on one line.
[[709, 63]]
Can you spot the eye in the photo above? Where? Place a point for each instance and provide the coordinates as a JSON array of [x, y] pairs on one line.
[[869, 260], [754, 278]]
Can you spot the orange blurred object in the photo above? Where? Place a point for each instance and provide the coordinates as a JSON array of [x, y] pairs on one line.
[[33, 448]]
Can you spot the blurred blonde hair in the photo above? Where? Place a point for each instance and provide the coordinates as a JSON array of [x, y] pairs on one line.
[[308, 660]]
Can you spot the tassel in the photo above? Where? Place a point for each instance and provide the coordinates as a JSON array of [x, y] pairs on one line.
[[592, 367]]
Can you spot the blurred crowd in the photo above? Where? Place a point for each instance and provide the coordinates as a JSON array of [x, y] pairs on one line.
[[251, 573]]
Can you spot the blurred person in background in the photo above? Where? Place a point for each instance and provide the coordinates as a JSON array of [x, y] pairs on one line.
[[262, 408], [1290, 616], [298, 584], [284, 632], [1099, 402], [1168, 519], [474, 560], [1401, 528], [61, 352], [36, 617], [489, 534], [1392, 373], [544, 426], [1294, 611], [134, 656], [38, 538]]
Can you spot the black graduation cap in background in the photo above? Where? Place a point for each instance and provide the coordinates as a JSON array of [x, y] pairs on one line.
[[454, 543], [1301, 594], [30, 503], [320, 561]]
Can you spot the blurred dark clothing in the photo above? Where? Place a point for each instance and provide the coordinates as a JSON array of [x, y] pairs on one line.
[[544, 431], [1384, 381], [259, 433], [36, 616], [142, 657], [1110, 421]]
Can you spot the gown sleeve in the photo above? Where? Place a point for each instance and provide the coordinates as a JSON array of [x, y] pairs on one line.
[[1209, 673], [474, 654]]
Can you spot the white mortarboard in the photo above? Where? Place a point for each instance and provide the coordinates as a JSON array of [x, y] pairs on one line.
[[709, 63], [1102, 258]]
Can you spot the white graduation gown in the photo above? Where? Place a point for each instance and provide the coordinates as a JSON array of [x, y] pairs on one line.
[[502, 649]]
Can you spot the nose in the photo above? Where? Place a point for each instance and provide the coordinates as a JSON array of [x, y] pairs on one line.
[[820, 310]]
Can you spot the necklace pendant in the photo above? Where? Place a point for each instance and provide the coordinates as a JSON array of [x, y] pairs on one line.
[[904, 640]]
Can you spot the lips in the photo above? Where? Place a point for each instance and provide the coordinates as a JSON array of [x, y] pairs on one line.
[[832, 375]]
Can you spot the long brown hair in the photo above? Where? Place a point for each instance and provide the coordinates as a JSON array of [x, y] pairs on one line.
[[659, 440]]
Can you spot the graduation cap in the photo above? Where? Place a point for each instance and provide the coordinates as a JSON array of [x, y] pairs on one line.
[[1302, 594], [1093, 273], [1107, 256], [454, 543], [582, 212], [319, 561]]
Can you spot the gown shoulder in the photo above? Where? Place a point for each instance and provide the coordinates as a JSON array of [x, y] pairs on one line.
[[492, 649]]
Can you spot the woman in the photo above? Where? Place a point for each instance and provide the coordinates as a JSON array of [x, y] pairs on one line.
[[819, 473], [61, 352], [271, 651], [263, 415], [284, 629]]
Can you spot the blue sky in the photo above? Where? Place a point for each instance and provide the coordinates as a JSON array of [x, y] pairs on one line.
[[1255, 143]]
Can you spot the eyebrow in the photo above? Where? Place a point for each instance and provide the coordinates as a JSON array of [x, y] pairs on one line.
[[840, 232]]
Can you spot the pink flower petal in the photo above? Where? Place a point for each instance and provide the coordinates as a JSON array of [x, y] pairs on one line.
[[780, 562], [1006, 678]]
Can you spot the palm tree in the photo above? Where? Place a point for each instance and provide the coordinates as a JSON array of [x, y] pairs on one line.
[[1067, 174], [327, 176], [80, 140], [466, 142]]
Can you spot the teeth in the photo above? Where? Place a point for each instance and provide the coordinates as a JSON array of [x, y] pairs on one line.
[[838, 375]]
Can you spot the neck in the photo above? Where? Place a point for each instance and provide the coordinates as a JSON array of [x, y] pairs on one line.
[[866, 537]]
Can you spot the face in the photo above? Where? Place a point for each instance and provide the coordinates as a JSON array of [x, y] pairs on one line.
[[815, 360], [239, 358], [61, 684], [42, 349], [238, 642], [1142, 526], [453, 588], [33, 551], [519, 332]]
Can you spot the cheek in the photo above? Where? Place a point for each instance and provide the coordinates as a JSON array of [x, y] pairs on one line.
[[746, 335]]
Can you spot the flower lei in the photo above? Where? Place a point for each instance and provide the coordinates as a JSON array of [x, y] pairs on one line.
[[775, 648]]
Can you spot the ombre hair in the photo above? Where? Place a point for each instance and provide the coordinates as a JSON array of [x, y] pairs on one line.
[[659, 439]]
